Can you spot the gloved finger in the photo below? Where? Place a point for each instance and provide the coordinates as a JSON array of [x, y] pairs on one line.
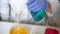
[[32, 9], [41, 6], [30, 2], [32, 5], [35, 7], [38, 3], [46, 5]]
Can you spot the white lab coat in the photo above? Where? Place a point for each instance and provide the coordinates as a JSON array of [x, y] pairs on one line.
[[4, 9], [15, 4]]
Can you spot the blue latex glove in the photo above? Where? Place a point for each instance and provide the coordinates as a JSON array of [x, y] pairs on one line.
[[37, 8], [36, 5]]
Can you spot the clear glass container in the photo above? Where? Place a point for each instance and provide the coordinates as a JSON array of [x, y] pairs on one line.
[[18, 28]]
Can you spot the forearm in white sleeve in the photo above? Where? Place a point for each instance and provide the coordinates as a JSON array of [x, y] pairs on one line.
[[4, 9], [49, 14]]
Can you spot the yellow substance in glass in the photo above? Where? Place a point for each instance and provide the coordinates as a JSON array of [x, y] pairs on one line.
[[18, 30]]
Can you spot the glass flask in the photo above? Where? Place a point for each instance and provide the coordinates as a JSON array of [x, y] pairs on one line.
[[18, 28]]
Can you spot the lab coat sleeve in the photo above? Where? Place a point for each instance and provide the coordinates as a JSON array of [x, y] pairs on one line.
[[4, 9]]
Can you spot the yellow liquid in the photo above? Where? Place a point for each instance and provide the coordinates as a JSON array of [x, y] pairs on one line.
[[18, 30]]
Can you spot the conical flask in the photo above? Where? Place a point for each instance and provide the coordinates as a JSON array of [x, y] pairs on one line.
[[18, 28]]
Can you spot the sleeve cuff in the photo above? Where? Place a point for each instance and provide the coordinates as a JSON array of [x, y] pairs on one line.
[[49, 14]]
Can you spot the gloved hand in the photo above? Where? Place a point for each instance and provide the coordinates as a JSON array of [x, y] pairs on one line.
[[36, 5], [37, 8]]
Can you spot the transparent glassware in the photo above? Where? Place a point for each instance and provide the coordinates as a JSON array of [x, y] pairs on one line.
[[18, 28]]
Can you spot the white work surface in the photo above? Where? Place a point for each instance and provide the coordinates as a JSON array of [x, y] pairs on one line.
[[32, 29]]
